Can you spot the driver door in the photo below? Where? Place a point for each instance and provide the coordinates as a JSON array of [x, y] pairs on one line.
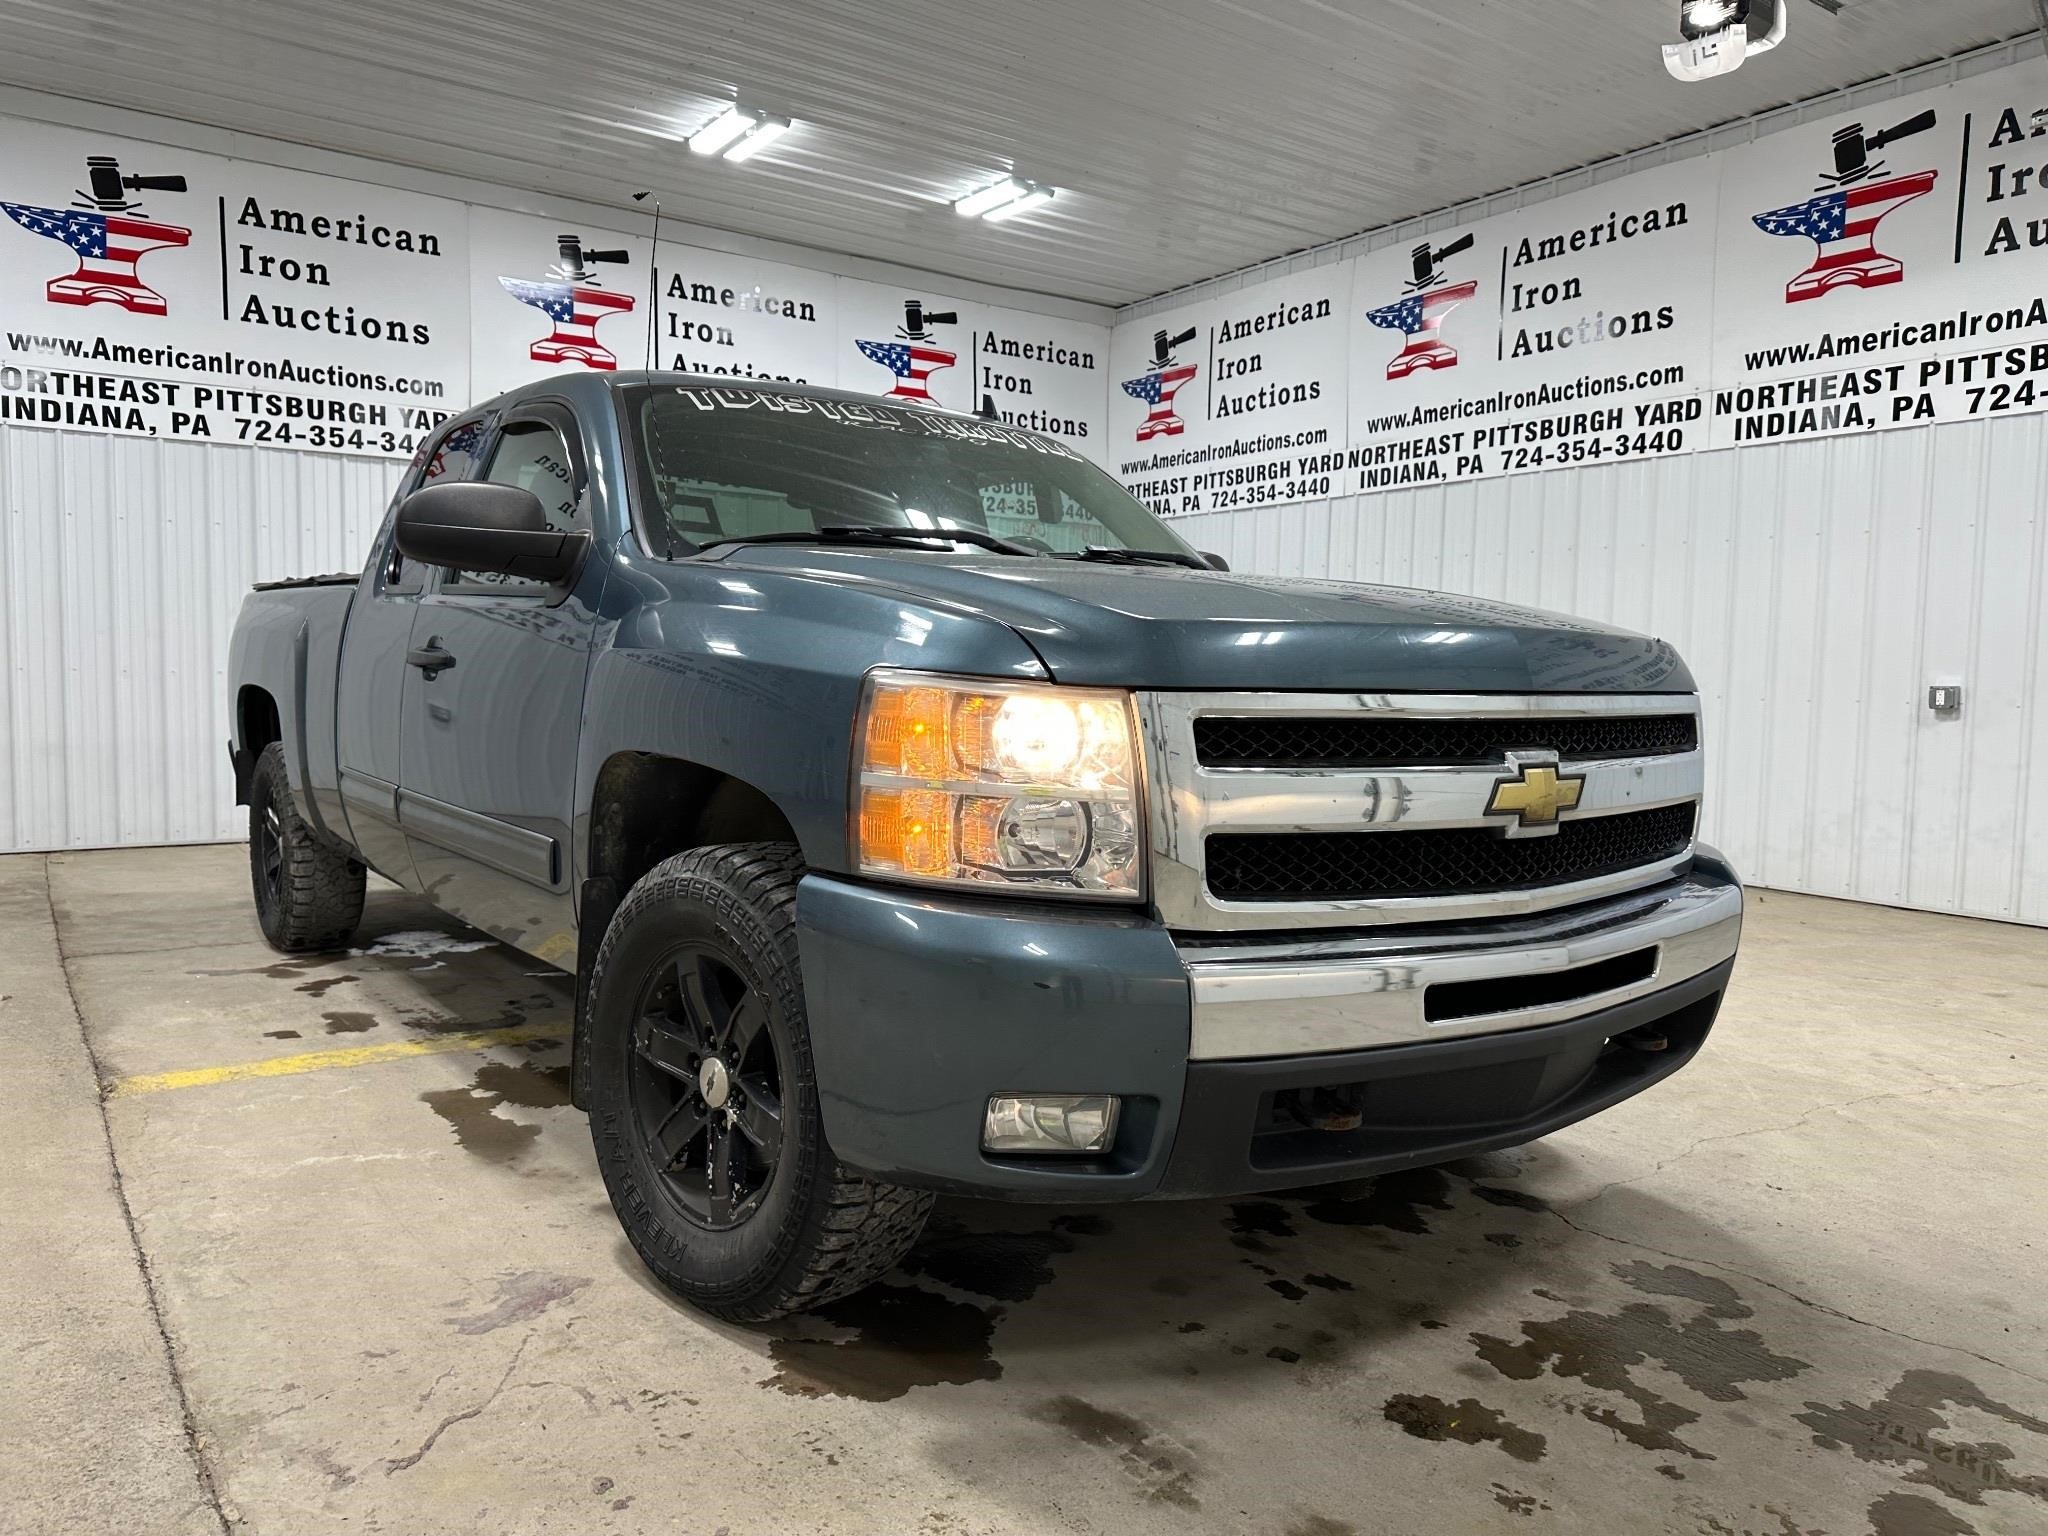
[[492, 710], [369, 693]]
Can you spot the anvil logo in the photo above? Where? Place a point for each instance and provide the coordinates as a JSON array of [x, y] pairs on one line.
[[1421, 315], [108, 234], [1842, 222], [1158, 387], [570, 297], [910, 359]]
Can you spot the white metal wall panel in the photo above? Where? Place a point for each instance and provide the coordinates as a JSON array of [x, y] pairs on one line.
[[122, 564], [1816, 589]]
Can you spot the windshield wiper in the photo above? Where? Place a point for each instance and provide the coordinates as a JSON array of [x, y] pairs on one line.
[[878, 533], [1112, 555]]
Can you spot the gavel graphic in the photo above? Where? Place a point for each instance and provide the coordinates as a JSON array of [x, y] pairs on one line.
[[917, 319], [1854, 147], [1163, 345], [573, 256], [103, 174], [1425, 261]]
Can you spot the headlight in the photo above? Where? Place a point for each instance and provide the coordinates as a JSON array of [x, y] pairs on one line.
[[998, 784]]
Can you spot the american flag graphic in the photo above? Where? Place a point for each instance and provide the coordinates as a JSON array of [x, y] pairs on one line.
[[911, 364], [1157, 390], [465, 439], [575, 309], [1420, 317], [107, 246], [1844, 226]]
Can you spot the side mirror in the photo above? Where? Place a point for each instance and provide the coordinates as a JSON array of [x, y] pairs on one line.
[[1216, 562], [480, 526]]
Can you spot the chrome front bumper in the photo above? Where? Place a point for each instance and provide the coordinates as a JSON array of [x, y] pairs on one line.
[[1305, 997]]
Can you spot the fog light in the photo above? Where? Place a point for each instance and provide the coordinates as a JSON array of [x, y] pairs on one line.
[[1050, 1122]]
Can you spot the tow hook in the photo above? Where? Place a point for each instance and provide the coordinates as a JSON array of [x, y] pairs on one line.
[[1646, 1037]]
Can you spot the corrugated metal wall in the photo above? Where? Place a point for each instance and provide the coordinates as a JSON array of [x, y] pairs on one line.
[[122, 564], [1816, 589]]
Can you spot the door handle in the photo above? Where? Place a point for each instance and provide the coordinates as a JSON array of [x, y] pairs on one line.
[[430, 659]]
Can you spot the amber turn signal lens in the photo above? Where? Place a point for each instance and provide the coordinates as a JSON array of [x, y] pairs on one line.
[[910, 829]]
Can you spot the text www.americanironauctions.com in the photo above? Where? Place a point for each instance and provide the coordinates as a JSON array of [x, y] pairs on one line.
[[1235, 449], [221, 364]]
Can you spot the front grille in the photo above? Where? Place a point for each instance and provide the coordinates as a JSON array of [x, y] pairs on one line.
[[1364, 866], [1412, 741]]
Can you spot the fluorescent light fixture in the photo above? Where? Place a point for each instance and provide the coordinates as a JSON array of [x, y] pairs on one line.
[[1034, 197], [975, 204], [766, 132], [721, 130]]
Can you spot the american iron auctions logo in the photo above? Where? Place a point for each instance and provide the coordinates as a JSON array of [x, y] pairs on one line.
[[1158, 387], [108, 234], [570, 296], [1842, 222], [1421, 315], [911, 359]]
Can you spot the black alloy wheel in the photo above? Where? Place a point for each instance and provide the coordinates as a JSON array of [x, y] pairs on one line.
[[309, 892], [707, 1086], [266, 839], [705, 1106]]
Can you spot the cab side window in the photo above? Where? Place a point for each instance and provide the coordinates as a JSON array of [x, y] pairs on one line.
[[534, 456], [451, 456]]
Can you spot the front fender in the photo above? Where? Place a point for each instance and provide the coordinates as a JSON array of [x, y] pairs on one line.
[[757, 675]]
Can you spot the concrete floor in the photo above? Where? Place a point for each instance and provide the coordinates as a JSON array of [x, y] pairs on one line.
[[1796, 1290]]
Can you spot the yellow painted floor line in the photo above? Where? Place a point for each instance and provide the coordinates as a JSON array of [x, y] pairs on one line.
[[321, 1061]]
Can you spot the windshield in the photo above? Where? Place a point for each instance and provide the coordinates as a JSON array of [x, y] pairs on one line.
[[720, 462]]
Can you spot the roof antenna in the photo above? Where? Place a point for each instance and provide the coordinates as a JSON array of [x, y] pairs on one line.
[[653, 274], [988, 409]]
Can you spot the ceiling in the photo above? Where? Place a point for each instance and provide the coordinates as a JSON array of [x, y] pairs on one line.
[[1188, 137]]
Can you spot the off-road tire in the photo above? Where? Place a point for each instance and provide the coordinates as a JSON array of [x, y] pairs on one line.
[[312, 898], [820, 1230]]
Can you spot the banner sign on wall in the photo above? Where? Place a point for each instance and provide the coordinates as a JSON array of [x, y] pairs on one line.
[[167, 293], [745, 317], [1878, 269], [162, 292], [1885, 270], [1575, 332], [1238, 401], [1038, 372], [1882, 268], [544, 296]]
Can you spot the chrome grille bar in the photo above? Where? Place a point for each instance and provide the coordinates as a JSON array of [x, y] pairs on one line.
[[1189, 801]]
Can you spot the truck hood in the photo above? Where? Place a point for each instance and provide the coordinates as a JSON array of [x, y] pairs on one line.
[[1171, 627]]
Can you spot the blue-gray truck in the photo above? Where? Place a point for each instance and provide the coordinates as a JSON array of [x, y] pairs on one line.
[[919, 814]]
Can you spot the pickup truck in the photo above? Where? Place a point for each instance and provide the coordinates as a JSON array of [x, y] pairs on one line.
[[919, 814]]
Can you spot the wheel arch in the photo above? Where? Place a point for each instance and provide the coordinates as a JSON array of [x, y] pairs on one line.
[[646, 807], [258, 722]]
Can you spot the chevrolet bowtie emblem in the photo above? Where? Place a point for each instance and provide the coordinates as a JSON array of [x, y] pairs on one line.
[[1534, 795]]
